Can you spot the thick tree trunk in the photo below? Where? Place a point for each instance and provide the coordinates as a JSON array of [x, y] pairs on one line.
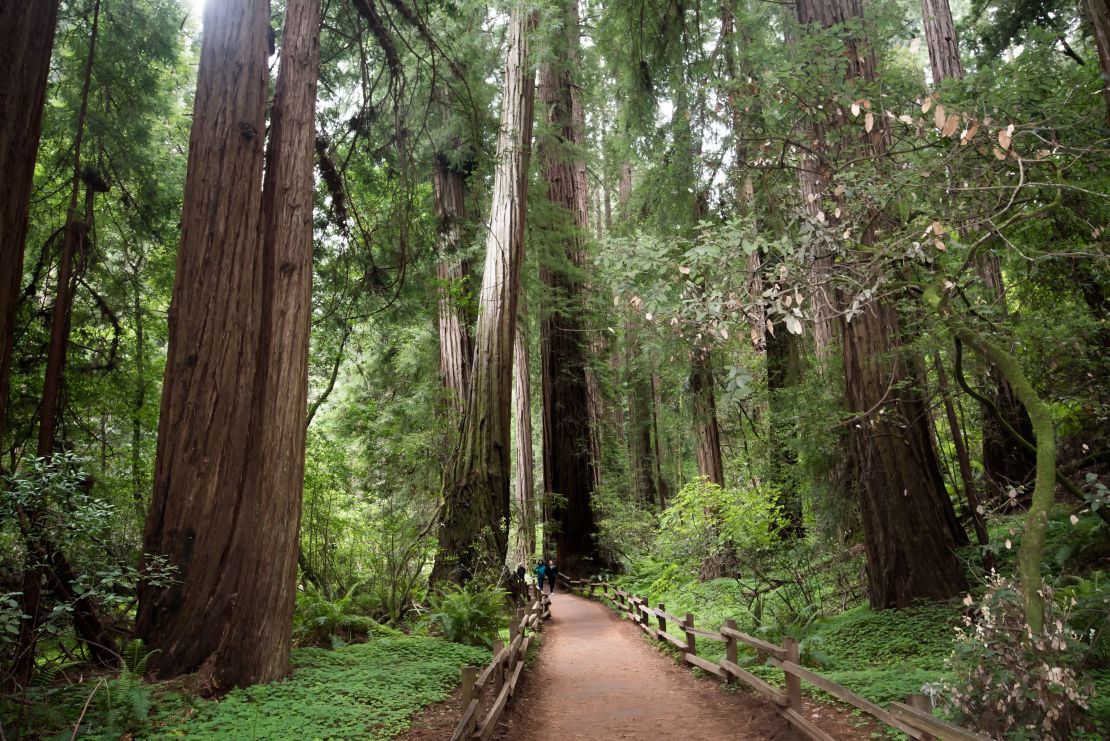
[[905, 509], [940, 36], [456, 346], [703, 391], [525, 464], [26, 41], [569, 407], [229, 467], [1098, 11], [473, 534], [910, 550]]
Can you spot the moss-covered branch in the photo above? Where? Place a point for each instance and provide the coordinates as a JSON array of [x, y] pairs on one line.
[[1032, 542]]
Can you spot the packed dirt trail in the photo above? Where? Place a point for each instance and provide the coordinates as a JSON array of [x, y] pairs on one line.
[[597, 678]]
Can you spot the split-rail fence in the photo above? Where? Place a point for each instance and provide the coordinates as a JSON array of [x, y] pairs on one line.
[[486, 691], [913, 718]]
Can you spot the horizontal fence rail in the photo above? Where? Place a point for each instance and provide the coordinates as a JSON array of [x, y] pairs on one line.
[[486, 692], [914, 718]]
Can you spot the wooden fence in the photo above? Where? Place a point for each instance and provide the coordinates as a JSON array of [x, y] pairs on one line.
[[486, 693], [913, 718]]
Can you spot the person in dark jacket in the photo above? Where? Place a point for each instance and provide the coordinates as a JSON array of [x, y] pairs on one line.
[[552, 574], [520, 572], [541, 573]]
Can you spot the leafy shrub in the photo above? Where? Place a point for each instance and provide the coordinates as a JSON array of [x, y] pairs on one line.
[[1006, 681], [469, 614], [705, 521]]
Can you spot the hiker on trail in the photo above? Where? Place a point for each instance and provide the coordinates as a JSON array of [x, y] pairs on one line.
[[540, 571], [552, 574], [520, 572]]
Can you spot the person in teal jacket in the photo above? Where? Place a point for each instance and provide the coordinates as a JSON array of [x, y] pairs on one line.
[[541, 573]]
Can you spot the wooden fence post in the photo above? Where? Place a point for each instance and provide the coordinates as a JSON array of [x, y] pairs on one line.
[[691, 646], [469, 674], [730, 649], [925, 704], [793, 683], [662, 620]]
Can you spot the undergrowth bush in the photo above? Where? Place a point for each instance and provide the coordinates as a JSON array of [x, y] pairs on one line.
[[319, 621], [469, 614], [1007, 681]]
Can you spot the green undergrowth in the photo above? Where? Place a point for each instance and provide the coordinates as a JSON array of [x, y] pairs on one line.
[[363, 691], [367, 691]]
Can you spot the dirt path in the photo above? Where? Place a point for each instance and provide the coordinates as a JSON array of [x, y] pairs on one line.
[[596, 678]]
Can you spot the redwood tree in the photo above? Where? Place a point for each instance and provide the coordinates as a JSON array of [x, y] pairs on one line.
[[568, 447], [473, 532], [899, 487], [229, 466], [26, 41]]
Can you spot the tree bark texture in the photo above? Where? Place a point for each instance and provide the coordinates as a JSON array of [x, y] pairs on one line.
[[903, 503], [473, 533], [229, 467], [456, 346], [1098, 11], [525, 464], [26, 42], [910, 550], [569, 408], [940, 36], [703, 391]]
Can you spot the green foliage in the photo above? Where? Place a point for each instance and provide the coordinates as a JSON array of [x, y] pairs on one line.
[[705, 520], [470, 614], [319, 621]]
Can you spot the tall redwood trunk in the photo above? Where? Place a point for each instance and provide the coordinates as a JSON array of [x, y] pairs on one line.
[[229, 468], [456, 345], [522, 430], [1004, 463], [909, 543], [26, 41], [569, 448], [474, 529], [940, 36]]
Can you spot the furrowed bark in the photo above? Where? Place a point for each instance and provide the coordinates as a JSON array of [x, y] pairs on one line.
[[570, 410], [229, 467], [473, 533]]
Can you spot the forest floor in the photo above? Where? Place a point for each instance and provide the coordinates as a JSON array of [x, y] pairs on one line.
[[599, 678]]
